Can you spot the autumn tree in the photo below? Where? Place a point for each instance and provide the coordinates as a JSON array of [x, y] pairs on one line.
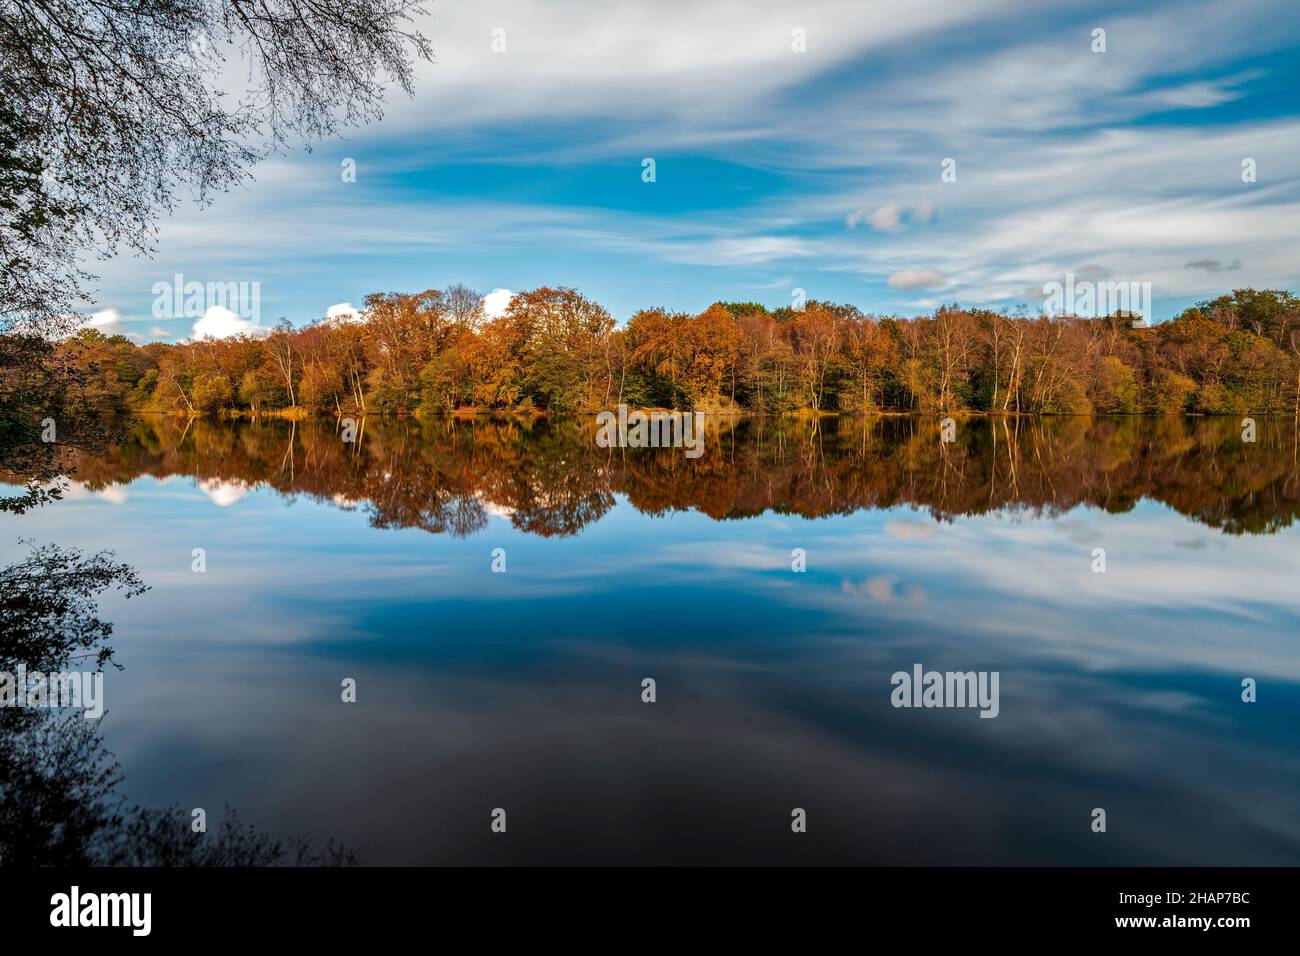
[[435, 352], [564, 337]]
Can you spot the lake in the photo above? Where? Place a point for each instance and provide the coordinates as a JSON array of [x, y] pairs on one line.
[[522, 689]]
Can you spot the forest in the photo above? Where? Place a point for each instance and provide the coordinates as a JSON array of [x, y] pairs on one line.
[[553, 350]]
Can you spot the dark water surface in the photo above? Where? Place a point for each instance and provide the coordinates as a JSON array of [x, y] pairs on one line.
[[522, 690]]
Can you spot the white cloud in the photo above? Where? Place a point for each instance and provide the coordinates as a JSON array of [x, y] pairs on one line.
[[911, 530], [916, 279], [886, 218], [881, 588], [735, 250], [626, 59], [500, 511], [220, 323], [496, 301], [113, 494], [1045, 181], [108, 322], [344, 312], [889, 217], [223, 493]]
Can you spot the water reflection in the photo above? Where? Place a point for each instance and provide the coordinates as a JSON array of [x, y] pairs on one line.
[[445, 476], [522, 690], [59, 805]]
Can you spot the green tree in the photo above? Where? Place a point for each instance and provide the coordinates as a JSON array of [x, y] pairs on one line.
[[1115, 387]]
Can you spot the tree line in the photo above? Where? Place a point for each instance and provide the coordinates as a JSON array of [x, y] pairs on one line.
[[555, 350]]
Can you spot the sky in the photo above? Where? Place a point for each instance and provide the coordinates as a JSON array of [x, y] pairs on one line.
[[798, 152]]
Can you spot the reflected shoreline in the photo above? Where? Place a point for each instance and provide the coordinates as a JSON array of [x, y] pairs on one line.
[[550, 478], [523, 690]]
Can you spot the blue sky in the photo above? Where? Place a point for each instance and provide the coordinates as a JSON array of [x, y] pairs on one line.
[[779, 170]]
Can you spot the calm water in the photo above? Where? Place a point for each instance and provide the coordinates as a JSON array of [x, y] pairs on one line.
[[522, 690]]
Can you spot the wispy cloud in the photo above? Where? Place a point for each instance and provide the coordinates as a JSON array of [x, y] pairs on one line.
[[820, 168]]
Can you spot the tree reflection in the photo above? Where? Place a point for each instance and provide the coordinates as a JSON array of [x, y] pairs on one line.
[[58, 805], [551, 479]]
